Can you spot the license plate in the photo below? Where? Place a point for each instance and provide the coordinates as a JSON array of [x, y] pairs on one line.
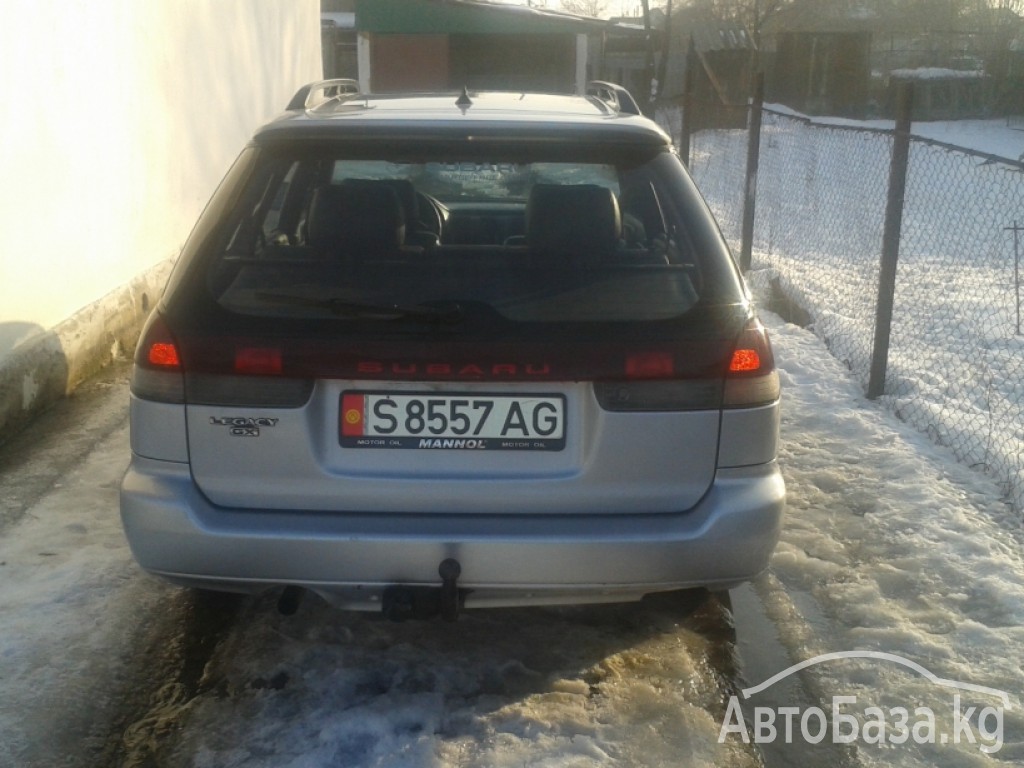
[[453, 421]]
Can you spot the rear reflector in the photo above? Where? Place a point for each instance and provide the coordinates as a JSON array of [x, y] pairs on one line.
[[258, 361], [158, 386], [670, 395], [649, 365], [249, 391], [748, 393]]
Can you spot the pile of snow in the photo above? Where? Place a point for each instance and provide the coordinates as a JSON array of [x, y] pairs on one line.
[[937, 73]]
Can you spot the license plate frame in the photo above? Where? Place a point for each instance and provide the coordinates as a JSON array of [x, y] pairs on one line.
[[475, 421]]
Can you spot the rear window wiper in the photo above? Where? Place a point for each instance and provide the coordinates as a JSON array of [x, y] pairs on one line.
[[355, 310]]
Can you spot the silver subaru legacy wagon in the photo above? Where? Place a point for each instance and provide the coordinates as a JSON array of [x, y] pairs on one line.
[[431, 352]]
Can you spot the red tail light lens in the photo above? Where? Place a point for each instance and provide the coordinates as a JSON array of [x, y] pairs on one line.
[[745, 360], [751, 379], [158, 374], [157, 346], [163, 354]]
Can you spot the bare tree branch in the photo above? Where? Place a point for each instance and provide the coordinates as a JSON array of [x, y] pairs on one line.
[[585, 7]]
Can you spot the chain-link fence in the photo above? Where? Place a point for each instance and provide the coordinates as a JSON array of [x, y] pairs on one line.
[[956, 354]]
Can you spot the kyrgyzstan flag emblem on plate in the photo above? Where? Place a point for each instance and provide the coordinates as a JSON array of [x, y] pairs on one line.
[[352, 418]]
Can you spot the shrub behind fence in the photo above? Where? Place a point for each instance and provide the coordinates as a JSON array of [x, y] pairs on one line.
[[956, 356]]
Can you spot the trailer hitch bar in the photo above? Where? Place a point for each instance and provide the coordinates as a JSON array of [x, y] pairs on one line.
[[401, 602]]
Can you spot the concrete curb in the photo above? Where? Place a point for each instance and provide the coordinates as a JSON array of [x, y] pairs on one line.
[[51, 365]]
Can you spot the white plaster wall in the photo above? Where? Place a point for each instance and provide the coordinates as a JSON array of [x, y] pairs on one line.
[[118, 119]]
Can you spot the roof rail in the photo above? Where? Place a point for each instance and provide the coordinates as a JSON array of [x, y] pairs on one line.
[[615, 96], [314, 94]]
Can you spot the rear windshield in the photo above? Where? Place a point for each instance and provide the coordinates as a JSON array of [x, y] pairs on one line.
[[361, 233]]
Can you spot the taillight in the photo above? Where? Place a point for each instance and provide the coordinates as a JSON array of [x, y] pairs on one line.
[[751, 378], [254, 376], [163, 355], [652, 382], [158, 374], [745, 359]]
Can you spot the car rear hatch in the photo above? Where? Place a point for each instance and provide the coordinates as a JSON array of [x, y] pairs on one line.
[[338, 355]]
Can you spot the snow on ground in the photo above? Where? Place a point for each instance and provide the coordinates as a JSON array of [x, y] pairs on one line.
[[889, 545], [994, 137], [1001, 137], [588, 686], [69, 609]]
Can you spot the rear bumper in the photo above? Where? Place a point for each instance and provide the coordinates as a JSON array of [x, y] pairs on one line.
[[728, 538]]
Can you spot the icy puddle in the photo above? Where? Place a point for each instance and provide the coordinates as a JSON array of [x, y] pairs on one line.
[[629, 685]]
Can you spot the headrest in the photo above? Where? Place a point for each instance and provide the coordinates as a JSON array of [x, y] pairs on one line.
[[403, 188], [356, 216], [407, 197], [579, 220]]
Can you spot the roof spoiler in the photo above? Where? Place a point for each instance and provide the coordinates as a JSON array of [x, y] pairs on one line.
[[615, 96], [314, 94]]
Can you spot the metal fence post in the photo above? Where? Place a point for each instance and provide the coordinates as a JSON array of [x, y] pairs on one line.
[[891, 241], [753, 158], [1016, 229], [687, 127]]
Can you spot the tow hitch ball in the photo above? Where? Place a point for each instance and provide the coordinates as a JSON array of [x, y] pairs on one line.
[[414, 602]]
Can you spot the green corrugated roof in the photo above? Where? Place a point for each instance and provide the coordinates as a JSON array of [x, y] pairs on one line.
[[412, 17]]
